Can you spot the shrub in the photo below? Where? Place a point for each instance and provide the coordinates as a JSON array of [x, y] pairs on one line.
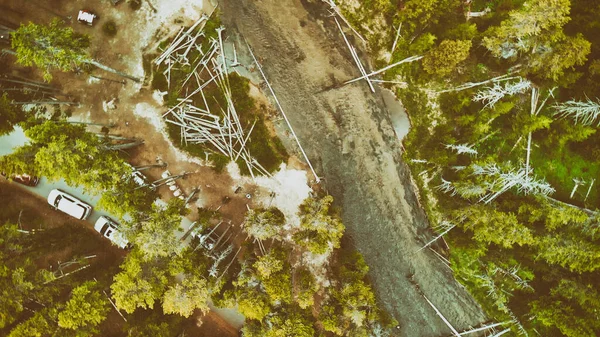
[[135, 4], [109, 28]]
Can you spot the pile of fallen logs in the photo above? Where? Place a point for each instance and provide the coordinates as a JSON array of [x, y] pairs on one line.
[[221, 131]]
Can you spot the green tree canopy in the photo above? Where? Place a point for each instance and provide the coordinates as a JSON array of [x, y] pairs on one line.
[[443, 59], [185, 297], [17, 283], [268, 265], [321, 229], [86, 309], [66, 151], [570, 250], [155, 233], [263, 224], [253, 303], [139, 284], [9, 116], [572, 307], [52, 47], [305, 288], [286, 323], [536, 30], [532, 26], [492, 226], [39, 325]]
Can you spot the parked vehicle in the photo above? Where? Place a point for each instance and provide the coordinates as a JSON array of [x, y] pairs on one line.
[[69, 204], [86, 17], [24, 179], [110, 230]]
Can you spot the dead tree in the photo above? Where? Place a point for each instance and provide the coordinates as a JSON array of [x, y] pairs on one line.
[[584, 112], [483, 328], [317, 179], [377, 72], [442, 317], [111, 70], [448, 227], [337, 11], [470, 85], [355, 57]]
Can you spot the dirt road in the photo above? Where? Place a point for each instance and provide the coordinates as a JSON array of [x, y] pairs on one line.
[[349, 138]]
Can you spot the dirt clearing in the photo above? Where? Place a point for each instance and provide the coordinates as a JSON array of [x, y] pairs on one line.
[[350, 140]]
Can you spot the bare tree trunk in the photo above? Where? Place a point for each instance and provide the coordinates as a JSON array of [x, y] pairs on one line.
[[317, 179], [114, 306], [108, 79], [442, 317], [486, 327], [8, 51], [145, 167], [103, 135], [45, 102], [152, 6], [436, 238], [111, 70], [111, 125], [124, 146], [29, 83], [67, 274], [28, 91], [585, 210]]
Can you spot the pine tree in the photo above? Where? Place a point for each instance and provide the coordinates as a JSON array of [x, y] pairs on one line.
[[263, 224], [9, 116], [183, 298], [155, 233], [492, 226], [321, 230], [85, 309], [443, 59], [54, 47]]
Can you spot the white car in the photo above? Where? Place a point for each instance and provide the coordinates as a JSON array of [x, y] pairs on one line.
[[109, 229], [69, 204], [86, 17]]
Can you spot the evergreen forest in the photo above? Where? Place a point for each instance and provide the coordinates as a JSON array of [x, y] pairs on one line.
[[504, 104]]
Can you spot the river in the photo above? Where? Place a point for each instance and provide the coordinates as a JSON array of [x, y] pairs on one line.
[[351, 136]]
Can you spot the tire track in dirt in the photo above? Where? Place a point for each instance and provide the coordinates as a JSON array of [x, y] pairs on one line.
[[349, 138]]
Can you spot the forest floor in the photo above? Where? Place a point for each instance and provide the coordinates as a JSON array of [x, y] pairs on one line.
[[136, 111], [346, 132], [24, 209], [350, 140]]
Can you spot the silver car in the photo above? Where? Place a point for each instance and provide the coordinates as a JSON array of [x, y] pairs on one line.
[[110, 230]]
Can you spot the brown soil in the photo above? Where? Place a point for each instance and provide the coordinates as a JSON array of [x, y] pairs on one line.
[[123, 52], [350, 140], [212, 325], [120, 52], [36, 213], [24, 207]]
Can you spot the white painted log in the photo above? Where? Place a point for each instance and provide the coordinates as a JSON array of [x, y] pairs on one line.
[[377, 72], [317, 179], [442, 317]]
